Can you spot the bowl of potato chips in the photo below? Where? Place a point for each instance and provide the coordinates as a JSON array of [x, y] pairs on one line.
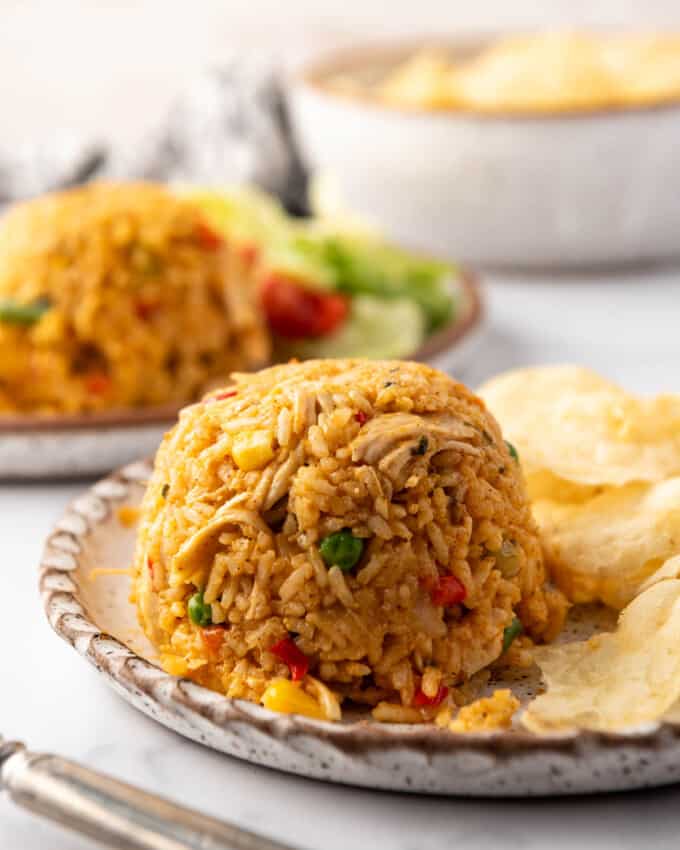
[[546, 150], [602, 468]]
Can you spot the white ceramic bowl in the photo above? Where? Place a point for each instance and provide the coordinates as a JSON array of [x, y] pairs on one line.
[[558, 190]]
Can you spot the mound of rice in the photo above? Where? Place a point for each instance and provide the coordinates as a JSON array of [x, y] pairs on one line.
[[252, 481], [134, 302]]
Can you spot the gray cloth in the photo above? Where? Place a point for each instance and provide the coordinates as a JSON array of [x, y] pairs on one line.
[[229, 127]]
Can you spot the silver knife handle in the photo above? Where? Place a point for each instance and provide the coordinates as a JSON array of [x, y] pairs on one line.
[[112, 812]]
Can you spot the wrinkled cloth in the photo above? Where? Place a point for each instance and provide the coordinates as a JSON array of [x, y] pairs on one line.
[[229, 127]]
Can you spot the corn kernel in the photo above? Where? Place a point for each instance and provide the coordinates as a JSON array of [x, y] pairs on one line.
[[252, 450], [178, 609], [127, 515], [288, 698], [50, 329], [487, 713], [174, 665]]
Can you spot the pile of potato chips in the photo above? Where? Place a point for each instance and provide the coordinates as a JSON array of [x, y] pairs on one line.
[[542, 72], [603, 472]]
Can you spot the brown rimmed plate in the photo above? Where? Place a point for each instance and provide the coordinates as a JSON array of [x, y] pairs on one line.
[[96, 618], [33, 447]]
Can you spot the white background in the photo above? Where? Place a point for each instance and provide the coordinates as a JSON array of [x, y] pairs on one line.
[[111, 69]]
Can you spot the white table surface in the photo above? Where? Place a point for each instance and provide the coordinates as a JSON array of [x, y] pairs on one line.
[[627, 327]]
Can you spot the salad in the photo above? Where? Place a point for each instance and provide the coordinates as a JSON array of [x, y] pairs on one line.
[[328, 291]]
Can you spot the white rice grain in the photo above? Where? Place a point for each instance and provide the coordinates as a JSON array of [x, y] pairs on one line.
[[295, 582], [338, 585]]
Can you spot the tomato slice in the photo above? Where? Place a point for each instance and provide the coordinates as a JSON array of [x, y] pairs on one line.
[[332, 313], [296, 312]]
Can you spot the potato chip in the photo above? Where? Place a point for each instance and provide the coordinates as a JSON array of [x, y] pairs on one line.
[[647, 66], [526, 73], [669, 569], [604, 549], [616, 680], [427, 79], [537, 73], [673, 714], [544, 485], [583, 429]]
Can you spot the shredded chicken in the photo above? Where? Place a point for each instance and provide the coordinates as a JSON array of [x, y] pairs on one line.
[[394, 440], [192, 551]]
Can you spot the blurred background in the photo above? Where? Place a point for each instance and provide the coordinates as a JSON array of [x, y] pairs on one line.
[[113, 67], [572, 215]]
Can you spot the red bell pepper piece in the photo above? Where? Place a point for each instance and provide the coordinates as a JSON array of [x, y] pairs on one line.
[[97, 383], [420, 700], [213, 638], [297, 661], [448, 590], [145, 309]]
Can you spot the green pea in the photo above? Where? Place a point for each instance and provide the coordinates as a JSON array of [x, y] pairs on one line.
[[341, 549], [514, 630], [513, 451], [199, 612], [15, 313]]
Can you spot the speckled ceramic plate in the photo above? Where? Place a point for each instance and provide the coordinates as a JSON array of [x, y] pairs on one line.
[[71, 446], [95, 617], [57, 447]]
